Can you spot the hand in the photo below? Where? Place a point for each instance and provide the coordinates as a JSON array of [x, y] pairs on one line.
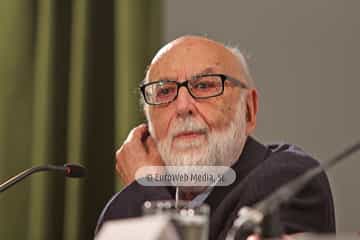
[[138, 150]]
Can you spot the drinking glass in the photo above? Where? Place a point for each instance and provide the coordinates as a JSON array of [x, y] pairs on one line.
[[191, 223]]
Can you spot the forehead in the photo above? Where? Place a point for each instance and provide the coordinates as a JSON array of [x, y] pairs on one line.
[[187, 58]]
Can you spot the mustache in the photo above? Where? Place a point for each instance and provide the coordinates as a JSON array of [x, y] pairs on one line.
[[188, 124]]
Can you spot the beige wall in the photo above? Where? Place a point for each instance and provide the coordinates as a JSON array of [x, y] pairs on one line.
[[304, 56]]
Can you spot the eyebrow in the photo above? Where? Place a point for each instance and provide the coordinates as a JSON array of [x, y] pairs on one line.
[[205, 71]]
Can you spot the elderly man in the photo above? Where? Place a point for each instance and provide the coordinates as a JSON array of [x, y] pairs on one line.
[[201, 106]]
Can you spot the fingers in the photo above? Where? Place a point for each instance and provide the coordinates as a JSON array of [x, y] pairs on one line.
[[142, 133], [134, 140], [137, 133], [118, 164]]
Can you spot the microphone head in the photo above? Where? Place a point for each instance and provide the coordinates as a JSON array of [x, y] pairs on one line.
[[74, 170]]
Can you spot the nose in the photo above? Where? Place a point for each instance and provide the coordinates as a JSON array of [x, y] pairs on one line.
[[184, 103]]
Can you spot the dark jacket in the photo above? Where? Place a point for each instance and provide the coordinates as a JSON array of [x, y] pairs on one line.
[[259, 171]]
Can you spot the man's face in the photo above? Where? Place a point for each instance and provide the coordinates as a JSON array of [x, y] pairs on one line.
[[194, 131]]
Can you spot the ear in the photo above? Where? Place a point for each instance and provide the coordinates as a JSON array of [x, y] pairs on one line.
[[251, 110]]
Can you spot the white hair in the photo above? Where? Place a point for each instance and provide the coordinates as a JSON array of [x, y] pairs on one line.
[[241, 58]]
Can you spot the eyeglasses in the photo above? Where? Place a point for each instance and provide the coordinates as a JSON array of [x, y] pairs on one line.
[[200, 87]]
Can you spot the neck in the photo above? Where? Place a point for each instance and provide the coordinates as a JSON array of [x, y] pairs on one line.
[[187, 196], [189, 193]]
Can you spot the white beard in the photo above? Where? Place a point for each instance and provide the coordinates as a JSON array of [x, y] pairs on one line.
[[220, 148]]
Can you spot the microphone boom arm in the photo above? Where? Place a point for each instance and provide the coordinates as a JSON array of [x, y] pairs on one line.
[[253, 217], [67, 169]]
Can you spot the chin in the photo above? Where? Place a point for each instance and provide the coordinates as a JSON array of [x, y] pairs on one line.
[[186, 150], [189, 157], [186, 145]]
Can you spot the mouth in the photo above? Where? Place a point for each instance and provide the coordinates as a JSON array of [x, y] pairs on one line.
[[188, 135]]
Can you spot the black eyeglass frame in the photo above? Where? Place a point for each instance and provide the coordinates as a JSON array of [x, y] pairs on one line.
[[185, 84]]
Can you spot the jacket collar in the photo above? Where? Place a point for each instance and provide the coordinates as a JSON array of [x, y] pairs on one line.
[[253, 154]]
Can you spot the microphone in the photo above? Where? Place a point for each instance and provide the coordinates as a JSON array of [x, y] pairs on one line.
[[253, 219], [74, 170], [69, 169]]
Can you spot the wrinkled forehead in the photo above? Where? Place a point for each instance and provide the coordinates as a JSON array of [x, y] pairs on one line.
[[181, 60]]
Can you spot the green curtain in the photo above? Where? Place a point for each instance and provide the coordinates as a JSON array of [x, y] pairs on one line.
[[69, 71]]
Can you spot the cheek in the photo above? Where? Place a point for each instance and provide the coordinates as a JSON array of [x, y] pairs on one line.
[[219, 112], [160, 121]]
